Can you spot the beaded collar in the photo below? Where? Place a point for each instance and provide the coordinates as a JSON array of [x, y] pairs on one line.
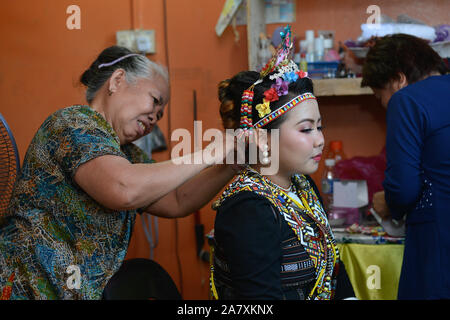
[[301, 217]]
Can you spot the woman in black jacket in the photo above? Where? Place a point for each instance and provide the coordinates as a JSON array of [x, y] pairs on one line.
[[272, 236]]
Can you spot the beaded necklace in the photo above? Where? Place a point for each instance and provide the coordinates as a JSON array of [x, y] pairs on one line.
[[322, 249], [286, 190]]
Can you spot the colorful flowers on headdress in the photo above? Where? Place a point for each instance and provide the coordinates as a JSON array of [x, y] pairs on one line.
[[263, 108], [284, 71], [281, 86], [302, 74], [271, 95], [290, 77]]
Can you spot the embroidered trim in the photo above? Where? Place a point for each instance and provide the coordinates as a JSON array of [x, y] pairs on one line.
[[280, 111]]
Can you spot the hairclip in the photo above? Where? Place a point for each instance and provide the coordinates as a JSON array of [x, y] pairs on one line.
[[117, 60]]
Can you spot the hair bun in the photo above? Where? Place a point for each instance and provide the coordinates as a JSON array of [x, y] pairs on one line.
[[227, 111], [228, 115], [84, 79], [223, 89]]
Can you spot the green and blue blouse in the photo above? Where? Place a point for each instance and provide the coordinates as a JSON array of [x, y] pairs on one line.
[[56, 242]]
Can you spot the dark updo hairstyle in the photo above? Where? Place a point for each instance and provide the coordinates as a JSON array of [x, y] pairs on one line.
[[230, 96], [137, 66], [397, 53]]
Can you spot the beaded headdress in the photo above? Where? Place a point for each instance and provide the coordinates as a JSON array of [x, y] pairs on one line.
[[286, 71]]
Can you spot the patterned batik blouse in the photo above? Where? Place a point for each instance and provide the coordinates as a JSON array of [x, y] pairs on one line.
[[56, 242]]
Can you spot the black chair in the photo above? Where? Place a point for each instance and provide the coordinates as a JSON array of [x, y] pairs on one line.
[[9, 164], [141, 279]]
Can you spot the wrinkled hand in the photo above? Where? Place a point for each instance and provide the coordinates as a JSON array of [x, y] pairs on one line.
[[220, 152], [380, 206], [240, 145]]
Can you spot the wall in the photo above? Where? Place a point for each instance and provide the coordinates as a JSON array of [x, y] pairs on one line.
[[357, 121], [41, 61], [198, 60]]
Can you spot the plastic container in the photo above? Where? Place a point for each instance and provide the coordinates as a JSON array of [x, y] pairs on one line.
[[327, 184], [337, 216], [321, 69], [303, 64], [319, 48], [442, 48], [341, 216]]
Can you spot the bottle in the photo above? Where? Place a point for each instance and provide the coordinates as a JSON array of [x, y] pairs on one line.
[[327, 46], [319, 48], [303, 63], [335, 151], [309, 37], [327, 184], [340, 216], [297, 59], [264, 54]]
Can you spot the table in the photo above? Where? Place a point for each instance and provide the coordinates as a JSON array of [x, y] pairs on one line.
[[372, 263]]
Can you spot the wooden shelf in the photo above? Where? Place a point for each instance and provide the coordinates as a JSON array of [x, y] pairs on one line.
[[322, 87], [340, 87]]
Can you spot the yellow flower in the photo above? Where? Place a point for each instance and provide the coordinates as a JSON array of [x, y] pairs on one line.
[[263, 108]]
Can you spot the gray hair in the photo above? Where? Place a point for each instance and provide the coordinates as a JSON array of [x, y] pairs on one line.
[[135, 65]]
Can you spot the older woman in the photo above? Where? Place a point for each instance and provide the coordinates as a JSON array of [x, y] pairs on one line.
[[74, 205], [408, 76]]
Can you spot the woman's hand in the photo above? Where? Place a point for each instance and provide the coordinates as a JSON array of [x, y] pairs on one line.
[[223, 149], [244, 138], [380, 206]]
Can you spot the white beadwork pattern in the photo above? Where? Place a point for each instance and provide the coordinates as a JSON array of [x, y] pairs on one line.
[[426, 197]]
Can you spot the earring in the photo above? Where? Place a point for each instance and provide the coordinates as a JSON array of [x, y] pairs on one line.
[[265, 159], [110, 92]]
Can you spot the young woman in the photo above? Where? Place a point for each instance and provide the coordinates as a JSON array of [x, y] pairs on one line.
[[272, 237]]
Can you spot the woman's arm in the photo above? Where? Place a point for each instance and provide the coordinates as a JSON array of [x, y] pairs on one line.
[[406, 125], [194, 194], [120, 185]]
